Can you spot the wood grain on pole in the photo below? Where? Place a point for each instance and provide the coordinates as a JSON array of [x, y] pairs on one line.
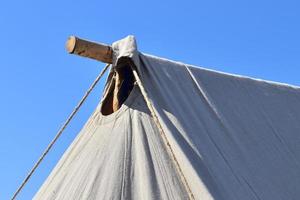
[[93, 50]]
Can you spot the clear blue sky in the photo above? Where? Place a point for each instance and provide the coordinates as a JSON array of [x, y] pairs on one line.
[[40, 83]]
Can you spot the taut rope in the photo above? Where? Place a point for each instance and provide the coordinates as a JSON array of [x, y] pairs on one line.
[[162, 133], [61, 130]]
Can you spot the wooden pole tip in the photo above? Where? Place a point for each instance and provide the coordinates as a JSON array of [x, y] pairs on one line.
[[70, 44], [93, 50]]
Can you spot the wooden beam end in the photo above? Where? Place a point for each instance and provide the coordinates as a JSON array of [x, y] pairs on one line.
[[70, 44], [88, 49]]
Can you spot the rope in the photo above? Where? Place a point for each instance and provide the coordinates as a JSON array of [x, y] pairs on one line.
[[60, 131], [159, 126]]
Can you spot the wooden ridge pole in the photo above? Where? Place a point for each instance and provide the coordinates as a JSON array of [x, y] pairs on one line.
[[93, 50]]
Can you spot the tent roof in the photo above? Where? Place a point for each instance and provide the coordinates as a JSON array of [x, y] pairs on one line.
[[227, 136]]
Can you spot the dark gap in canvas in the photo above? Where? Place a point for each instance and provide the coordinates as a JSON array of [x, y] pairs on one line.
[[121, 85]]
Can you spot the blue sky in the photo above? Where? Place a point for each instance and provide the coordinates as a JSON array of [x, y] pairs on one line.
[[40, 83]]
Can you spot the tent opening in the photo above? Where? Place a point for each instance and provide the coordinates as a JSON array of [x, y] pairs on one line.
[[120, 85]]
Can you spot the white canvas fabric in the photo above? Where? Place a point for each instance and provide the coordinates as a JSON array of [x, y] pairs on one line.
[[235, 138]]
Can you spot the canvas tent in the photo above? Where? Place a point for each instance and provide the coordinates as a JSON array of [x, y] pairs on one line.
[[216, 136]]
